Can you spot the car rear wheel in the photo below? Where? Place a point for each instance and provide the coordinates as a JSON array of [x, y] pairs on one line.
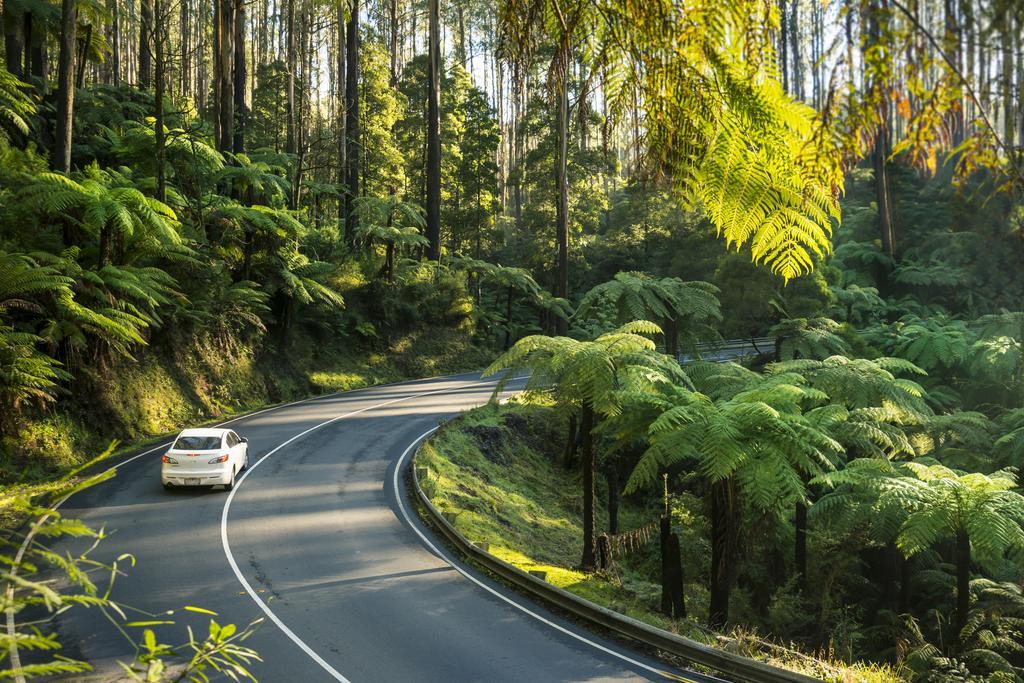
[[245, 461], [167, 487], [231, 484]]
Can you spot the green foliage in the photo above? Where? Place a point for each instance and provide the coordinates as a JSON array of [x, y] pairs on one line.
[[86, 583]]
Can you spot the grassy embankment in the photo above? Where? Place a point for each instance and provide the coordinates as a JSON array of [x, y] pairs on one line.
[[497, 469], [172, 385]]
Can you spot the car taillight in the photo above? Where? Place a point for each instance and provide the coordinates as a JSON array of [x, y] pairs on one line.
[[223, 458], [170, 460]]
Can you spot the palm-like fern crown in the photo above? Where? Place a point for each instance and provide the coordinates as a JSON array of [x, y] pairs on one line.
[[256, 182], [99, 200], [939, 503], [638, 296], [856, 304], [586, 372], [932, 343], [809, 338], [760, 437], [391, 221]]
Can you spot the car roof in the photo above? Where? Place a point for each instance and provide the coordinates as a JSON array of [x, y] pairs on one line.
[[204, 432]]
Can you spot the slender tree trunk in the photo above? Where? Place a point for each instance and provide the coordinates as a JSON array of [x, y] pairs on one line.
[[963, 580], [13, 45], [353, 151], [115, 42], [61, 160], [159, 38], [238, 140], [673, 602], [569, 453], [342, 115], [289, 145], [723, 551], [1007, 38], [801, 544], [508, 320], [587, 563], [784, 45], [434, 133], [562, 182], [225, 73], [145, 44], [612, 476], [83, 55]]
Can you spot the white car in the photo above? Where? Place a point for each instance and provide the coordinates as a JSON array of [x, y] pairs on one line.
[[205, 457]]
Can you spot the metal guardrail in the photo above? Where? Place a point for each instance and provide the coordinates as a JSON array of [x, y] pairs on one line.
[[730, 349], [736, 667]]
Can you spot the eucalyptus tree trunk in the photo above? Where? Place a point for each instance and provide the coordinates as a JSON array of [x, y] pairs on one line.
[[159, 36], [340, 124], [1006, 40], [146, 44], [83, 54], [562, 182], [225, 73], [239, 78], [61, 160], [433, 171], [13, 44], [290, 58], [352, 152]]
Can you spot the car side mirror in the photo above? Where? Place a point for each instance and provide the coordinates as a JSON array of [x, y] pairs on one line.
[[243, 439]]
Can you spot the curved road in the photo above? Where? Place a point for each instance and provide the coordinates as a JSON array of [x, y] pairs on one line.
[[317, 540]]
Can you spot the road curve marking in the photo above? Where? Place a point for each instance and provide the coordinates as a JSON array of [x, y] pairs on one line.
[[334, 673], [437, 551]]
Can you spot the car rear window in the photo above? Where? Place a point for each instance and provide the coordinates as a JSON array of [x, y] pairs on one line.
[[197, 443]]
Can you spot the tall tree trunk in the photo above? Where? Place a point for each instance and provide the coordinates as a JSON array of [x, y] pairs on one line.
[[963, 579], [83, 55], [225, 74], [238, 139], [1007, 38], [61, 160], [115, 42], [353, 151], [794, 43], [587, 563], [289, 145], [393, 27], [569, 453], [612, 477], [159, 38], [784, 45], [13, 44], [801, 544], [342, 115], [434, 133], [145, 44], [508, 319], [723, 551], [562, 182]]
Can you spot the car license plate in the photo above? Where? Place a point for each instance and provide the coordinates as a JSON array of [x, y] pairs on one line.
[[192, 482]]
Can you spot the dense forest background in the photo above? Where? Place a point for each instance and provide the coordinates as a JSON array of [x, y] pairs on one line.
[[208, 205]]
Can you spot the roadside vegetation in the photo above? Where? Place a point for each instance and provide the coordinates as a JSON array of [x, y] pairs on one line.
[[211, 206]]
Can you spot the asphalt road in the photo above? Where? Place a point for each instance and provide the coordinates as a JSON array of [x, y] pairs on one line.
[[314, 541]]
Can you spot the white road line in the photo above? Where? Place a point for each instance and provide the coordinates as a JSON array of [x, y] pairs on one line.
[[510, 601], [227, 546], [10, 621]]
